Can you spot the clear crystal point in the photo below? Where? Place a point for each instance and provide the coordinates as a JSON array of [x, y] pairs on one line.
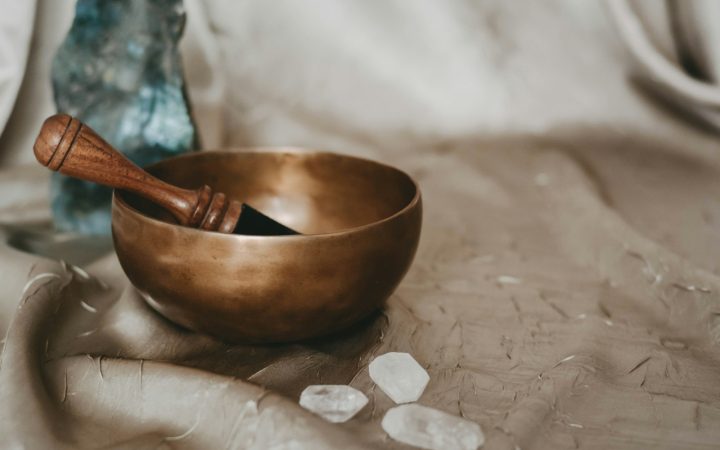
[[399, 376], [334, 403], [431, 429]]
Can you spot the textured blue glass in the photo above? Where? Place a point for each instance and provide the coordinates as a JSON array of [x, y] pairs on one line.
[[119, 71]]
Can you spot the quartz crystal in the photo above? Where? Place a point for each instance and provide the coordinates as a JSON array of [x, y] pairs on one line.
[[334, 403], [431, 429], [399, 376], [119, 71]]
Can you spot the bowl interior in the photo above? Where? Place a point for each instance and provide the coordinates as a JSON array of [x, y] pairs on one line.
[[313, 193]]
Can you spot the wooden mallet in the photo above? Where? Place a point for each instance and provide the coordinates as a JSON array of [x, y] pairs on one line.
[[70, 147]]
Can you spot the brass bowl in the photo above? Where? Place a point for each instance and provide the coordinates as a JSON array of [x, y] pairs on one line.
[[360, 222]]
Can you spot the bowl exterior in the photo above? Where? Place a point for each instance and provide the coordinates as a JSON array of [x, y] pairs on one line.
[[265, 289]]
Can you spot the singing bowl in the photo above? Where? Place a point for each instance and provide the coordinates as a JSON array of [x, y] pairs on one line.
[[360, 221]]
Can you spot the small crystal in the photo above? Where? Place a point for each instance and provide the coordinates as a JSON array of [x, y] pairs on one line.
[[334, 403], [431, 429], [399, 376]]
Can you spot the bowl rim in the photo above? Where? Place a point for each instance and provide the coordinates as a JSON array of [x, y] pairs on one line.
[[119, 202]]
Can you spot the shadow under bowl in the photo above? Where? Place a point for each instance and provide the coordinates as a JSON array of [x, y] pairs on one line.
[[360, 221]]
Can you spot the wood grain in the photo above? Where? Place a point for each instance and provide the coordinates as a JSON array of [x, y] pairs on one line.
[[68, 146]]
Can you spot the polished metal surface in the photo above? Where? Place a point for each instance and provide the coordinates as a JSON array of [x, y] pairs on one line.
[[360, 221]]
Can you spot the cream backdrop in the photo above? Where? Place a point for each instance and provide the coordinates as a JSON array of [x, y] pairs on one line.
[[564, 143]]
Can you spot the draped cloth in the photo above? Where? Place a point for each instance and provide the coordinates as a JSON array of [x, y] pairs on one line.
[[566, 291]]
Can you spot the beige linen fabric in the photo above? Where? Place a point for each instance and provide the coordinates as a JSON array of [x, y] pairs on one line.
[[565, 293]]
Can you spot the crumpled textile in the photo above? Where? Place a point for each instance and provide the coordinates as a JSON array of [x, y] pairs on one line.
[[686, 74], [15, 35], [565, 293], [546, 302]]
